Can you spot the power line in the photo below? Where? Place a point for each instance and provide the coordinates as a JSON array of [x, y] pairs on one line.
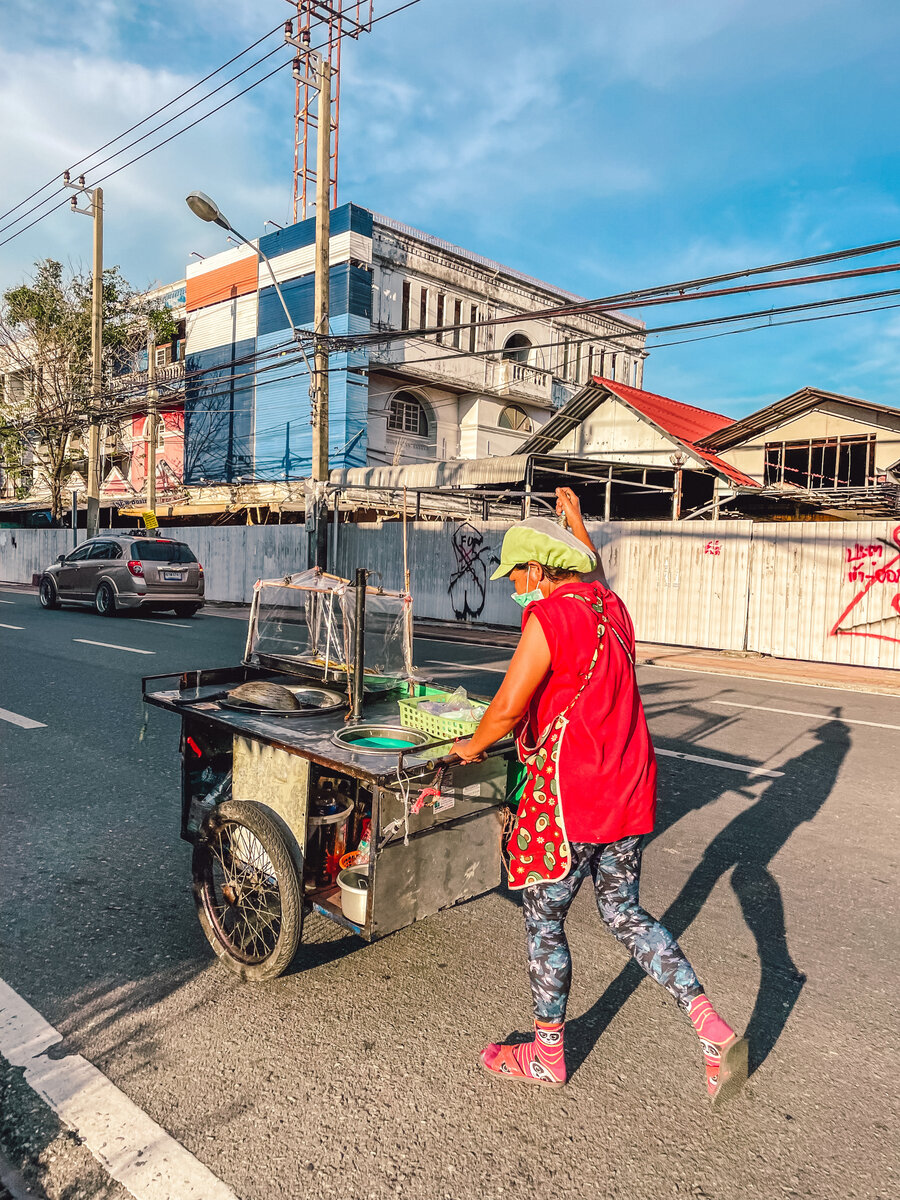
[[74, 166], [178, 133]]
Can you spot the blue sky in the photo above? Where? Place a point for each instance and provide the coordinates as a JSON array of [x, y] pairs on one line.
[[599, 145]]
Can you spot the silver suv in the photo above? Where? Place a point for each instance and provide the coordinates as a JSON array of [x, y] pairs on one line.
[[118, 571]]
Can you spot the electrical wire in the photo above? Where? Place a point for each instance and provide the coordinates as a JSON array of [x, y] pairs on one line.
[[74, 166], [186, 128], [224, 386]]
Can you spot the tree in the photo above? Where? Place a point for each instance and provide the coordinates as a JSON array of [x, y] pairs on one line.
[[45, 356]]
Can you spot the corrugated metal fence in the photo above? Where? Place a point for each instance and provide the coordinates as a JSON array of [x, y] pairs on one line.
[[826, 592]]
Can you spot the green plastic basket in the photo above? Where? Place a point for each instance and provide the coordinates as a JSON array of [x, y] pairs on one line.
[[412, 717]]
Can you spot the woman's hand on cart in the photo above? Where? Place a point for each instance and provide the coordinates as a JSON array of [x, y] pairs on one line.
[[461, 749]]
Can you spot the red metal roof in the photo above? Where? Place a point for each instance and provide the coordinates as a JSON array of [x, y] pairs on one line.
[[681, 421]]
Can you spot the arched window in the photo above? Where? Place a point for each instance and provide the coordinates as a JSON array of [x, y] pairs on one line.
[[515, 418], [407, 414], [517, 348], [160, 432]]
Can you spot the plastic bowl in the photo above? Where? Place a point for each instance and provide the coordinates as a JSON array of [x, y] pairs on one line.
[[354, 885]]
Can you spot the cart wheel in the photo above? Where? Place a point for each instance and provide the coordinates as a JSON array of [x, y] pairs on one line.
[[247, 891]]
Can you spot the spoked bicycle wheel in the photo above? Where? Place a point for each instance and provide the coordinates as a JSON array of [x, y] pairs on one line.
[[247, 891]]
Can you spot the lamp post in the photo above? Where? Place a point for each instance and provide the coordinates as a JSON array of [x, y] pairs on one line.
[[206, 209]]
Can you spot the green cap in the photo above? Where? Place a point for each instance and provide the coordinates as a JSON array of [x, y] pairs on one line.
[[543, 541]]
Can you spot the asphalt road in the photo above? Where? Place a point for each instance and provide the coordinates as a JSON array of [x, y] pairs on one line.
[[358, 1076]]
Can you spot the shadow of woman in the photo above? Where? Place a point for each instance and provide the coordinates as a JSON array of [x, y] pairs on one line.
[[748, 844]]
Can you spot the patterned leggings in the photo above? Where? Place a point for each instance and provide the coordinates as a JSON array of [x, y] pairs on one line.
[[616, 870]]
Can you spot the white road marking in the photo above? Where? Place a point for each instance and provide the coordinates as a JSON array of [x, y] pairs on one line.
[[22, 722], [795, 712], [147, 621], [2, 626], [112, 646], [469, 666], [7, 601], [136, 1151], [748, 768]]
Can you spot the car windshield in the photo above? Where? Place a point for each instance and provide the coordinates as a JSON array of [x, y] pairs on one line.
[[159, 551]]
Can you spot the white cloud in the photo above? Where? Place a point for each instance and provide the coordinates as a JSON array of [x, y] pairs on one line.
[[57, 106]]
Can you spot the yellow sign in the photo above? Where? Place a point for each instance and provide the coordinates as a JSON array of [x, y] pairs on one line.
[[150, 520]]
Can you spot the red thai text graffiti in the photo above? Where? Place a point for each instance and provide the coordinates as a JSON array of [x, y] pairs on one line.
[[713, 547], [866, 569]]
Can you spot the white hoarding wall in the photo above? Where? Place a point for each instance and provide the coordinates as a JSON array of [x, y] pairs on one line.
[[822, 591]]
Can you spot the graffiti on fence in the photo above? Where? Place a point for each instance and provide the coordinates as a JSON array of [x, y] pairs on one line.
[[468, 583], [879, 576], [714, 546]]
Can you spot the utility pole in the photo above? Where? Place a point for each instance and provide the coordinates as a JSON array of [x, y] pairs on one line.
[[93, 479], [152, 421], [322, 296], [321, 310]]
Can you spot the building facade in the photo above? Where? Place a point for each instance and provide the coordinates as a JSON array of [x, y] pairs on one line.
[[450, 387]]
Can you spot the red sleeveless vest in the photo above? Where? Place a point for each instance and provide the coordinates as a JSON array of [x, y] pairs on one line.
[[606, 765]]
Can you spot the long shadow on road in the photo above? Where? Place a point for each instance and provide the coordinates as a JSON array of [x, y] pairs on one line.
[[747, 845]]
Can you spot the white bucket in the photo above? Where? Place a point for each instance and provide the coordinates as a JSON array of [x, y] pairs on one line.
[[354, 893]]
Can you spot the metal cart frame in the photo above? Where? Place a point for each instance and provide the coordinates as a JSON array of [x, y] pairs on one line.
[[260, 771]]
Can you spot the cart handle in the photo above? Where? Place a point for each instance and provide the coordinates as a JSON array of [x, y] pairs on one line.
[[450, 760]]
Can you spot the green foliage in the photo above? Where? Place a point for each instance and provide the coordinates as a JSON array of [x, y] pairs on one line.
[[45, 339]]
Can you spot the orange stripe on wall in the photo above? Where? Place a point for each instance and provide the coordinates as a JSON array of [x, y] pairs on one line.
[[236, 279]]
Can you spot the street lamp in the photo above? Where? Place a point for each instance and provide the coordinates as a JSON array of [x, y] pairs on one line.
[[206, 209]]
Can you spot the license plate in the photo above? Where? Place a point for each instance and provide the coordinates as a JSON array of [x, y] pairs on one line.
[[175, 576]]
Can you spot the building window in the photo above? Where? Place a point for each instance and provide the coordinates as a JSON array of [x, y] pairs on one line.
[[517, 348], [601, 369], [577, 362], [613, 365], [423, 309], [407, 415], [822, 463], [515, 418], [404, 307], [457, 321], [473, 328], [440, 317], [160, 433]]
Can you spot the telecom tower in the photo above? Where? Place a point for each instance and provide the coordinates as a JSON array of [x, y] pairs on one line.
[[321, 28]]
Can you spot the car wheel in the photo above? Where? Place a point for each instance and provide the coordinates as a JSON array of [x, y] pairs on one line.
[[47, 594], [186, 610], [105, 600]]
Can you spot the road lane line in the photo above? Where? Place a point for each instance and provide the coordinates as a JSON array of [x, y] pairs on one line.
[[795, 712], [22, 722], [112, 646], [171, 624], [468, 666], [137, 1152], [3, 626], [7, 601], [747, 768]]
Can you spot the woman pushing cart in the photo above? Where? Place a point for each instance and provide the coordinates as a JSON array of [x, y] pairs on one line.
[[589, 796]]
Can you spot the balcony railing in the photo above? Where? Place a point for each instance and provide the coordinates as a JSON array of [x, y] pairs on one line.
[[521, 379], [170, 377], [472, 372]]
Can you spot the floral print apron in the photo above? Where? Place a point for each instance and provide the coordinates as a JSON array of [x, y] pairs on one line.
[[538, 848]]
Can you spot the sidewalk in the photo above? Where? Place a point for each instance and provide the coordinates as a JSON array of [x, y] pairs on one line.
[[778, 670]]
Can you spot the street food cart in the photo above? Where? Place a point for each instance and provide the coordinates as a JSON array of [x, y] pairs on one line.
[[336, 803]]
